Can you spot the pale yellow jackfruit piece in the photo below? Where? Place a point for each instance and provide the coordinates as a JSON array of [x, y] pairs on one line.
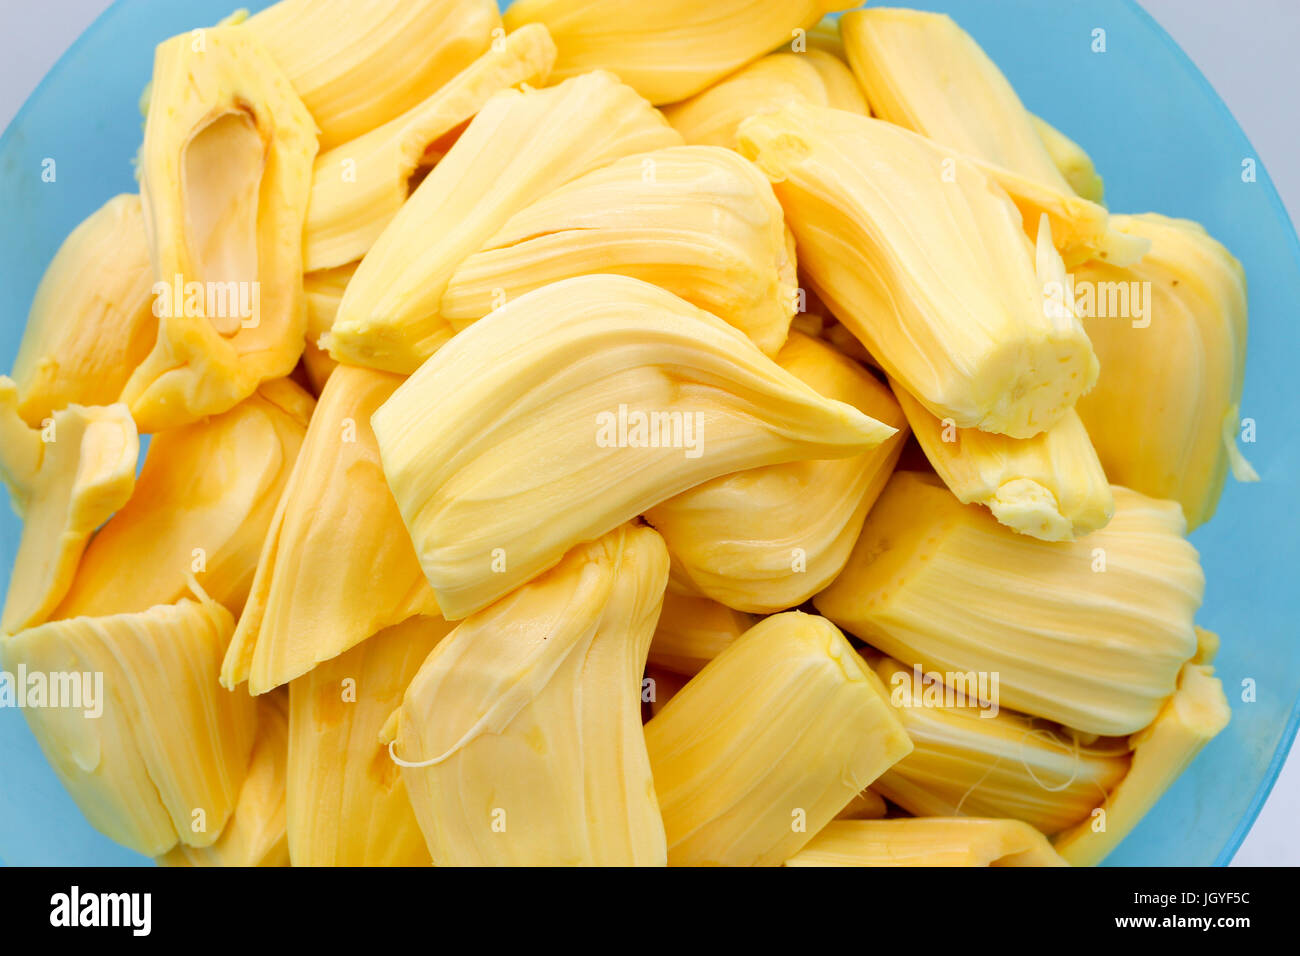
[[1088, 633], [842, 90], [588, 401], [1188, 721], [1071, 161], [693, 631], [1207, 646], [202, 505], [677, 49], [359, 65], [347, 801], [324, 292], [769, 538], [84, 471], [867, 805], [935, 277], [358, 186], [224, 178], [1171, 336], [1050, 486], [337, 565], [255, 833], [972, 758], [765, 745], [521, 737], [699, 221], [824, 36], [510, 155], [160, 754], [91, 322], [928, 841]]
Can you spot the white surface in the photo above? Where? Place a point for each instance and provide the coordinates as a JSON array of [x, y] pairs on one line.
[[1247, 49]]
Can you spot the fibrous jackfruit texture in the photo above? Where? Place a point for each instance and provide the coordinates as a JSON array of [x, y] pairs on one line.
[[928, 841], [324, 292], [589, 401], [1071, 161], [693, 631], [1088, 633], [521, 733]]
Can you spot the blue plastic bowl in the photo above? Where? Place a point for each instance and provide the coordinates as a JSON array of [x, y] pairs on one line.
[[1161, 138]]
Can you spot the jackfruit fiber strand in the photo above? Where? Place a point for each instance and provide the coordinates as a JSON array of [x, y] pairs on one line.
[[928, 841]]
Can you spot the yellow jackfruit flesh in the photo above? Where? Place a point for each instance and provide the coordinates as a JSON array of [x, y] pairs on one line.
[[225, 177], [324, 292], [693, 631], [521, 733], [935, 277], [508, 157], [1071, 161], [1088, 633], [699, 221], [1171, 336], [867, 805], [202, 506], [589, 401], [336, 566], [164, 760], [770, 538], [359, 65], [347, 800], [91, 322], [807, 697], [928, 841], [677, 51], [358, 186]]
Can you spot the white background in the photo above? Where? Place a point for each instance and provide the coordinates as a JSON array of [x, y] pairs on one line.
[[1247, 49]]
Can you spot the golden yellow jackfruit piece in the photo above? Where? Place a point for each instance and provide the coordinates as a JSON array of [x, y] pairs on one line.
[[770, 538], [679, 49], [336, 566], [225, 176], [358, 65], [347, 801], [1207, 646], [699, 221], [589, 401], [68, 477], [746, 778], [972, 758], [867, 805], [255, 833], [693, 631], [324, 292], [1050, 486], [928, 841], [1088, 633], [1071, 161], [825, 36], [91, 322], [509, 156], [165, 754], [1171, 336], [1188, 721], [521, 735], [935, 277], [202, 505], [358, 186]]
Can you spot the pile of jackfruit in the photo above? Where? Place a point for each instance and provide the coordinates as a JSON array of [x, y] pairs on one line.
[[603, 437]]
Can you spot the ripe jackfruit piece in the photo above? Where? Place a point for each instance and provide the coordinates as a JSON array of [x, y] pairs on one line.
[[1189, 720], [693, 631], [202, 505], [726, 796], [359, 65], [347, 801], [225, 176], [937, 279], [358, 186], [676, 52], [255, 833], [867, 805], [1071, 161], [520, 736], [91, 322], [1088, 633], [164, 760], [825, 36], [588, 400], [1164, 414], [70, 476], [336, 565], [1049, 487], [928, 841], [324, 292], [508, 157], [970, 759], [769, 538], [1207, 646], [699, 221]]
